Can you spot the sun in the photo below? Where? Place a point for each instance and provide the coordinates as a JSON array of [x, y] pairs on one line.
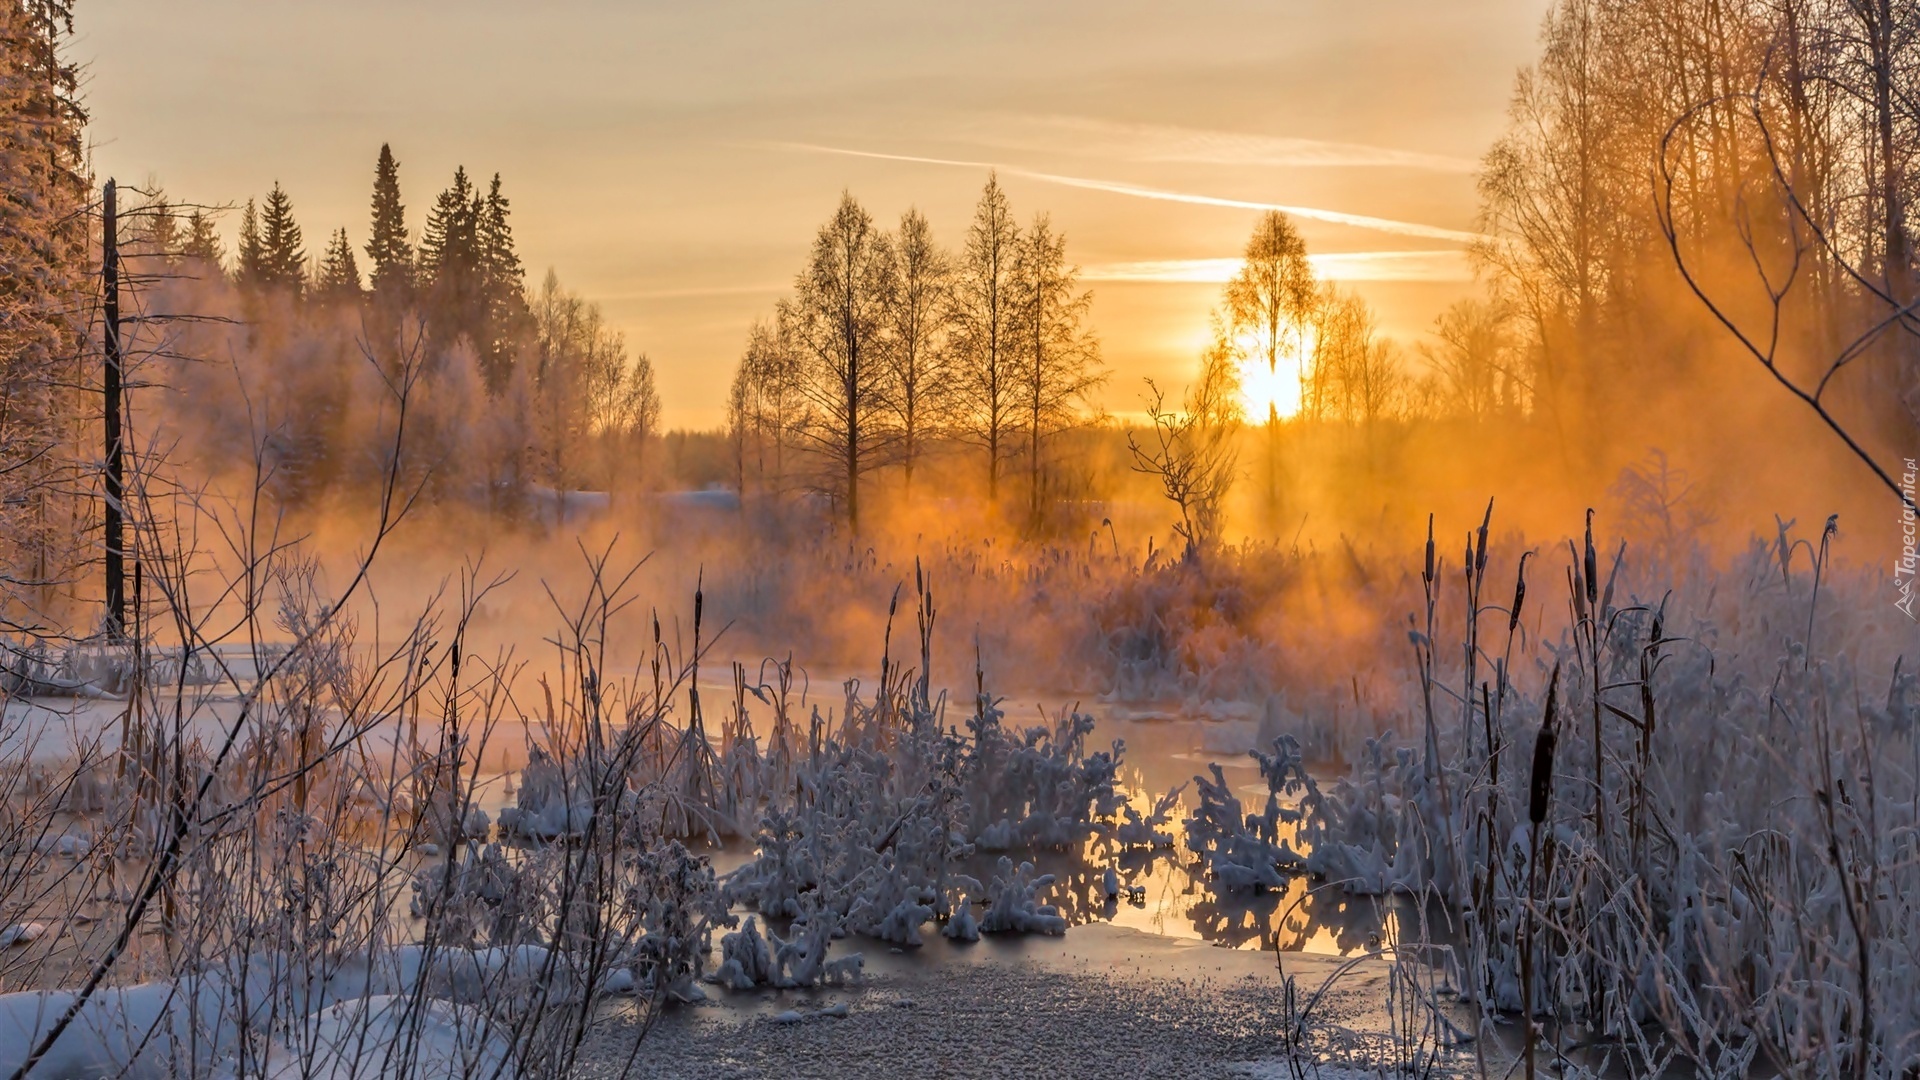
[[1269, 392]]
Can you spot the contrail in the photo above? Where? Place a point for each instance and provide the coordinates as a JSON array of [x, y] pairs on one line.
[[1443, 264], [1159, 142], [1360, 221]]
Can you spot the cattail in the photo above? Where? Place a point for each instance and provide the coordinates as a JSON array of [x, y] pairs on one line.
[[1592, 565], [1519, 594], [1480, 556], [1427, 574], [1540, 786]]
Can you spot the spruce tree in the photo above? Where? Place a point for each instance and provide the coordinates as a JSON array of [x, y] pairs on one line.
[[156, 231], [339, 279], [202, 242], [46, 252], [503, 315], [449, 248], [252, 261], [450, 271], [283, 261], [387, 244]]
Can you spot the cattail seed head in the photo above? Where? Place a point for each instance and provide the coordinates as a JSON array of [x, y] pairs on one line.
[[1519, 594], [1591, 565], [1427, 574], [1480, 554], [1540, 784]]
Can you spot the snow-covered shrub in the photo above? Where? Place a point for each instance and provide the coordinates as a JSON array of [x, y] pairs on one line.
[[1038, 788], [1013, 902]]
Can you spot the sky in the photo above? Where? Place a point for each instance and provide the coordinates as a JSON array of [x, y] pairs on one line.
[[673, 161]]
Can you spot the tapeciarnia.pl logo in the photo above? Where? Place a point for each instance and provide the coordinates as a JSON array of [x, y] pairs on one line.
[[1904, 566]]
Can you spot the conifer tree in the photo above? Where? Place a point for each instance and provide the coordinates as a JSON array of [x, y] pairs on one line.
[[450, 271], [503, 315], [45, 253], [156, 229], [283, 261], [387, 246], [252, 255], [339, 279], [202, 242], [449, 246]]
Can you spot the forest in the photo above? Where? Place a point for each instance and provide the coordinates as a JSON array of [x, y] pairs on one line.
[[395, 686]]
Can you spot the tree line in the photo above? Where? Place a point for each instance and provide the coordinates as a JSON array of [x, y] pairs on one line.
[[550, 396], [892, 347]]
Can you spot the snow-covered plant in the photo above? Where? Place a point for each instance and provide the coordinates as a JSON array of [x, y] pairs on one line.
[[1013, 902], [1686, 813]]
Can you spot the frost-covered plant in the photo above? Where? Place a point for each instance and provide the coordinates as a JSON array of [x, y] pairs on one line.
[[1013, 902], [1695, 819], [869, 824], [1038, 788], [1242, 850]]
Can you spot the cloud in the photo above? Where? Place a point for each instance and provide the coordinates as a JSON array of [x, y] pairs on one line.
[[1330, 266], [1336, 217], [1198, 146]]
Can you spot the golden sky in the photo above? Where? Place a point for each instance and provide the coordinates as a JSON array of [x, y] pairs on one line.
[[673, 160]]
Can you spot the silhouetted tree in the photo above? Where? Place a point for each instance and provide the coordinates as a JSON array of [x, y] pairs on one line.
[[1193, 452], [388, 249], [839, 318], [450, 263], [764, 408], [918, 320], [984, 313], [339, 279], [251, 258], [282, 260], [202, 241], [1056, 355], [1268, 301], [503, 317]]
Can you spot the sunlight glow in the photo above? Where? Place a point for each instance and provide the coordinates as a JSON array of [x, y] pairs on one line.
[[1262, 389], [1279, 387]]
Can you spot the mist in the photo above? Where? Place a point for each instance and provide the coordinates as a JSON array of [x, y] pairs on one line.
[[1474, 569]]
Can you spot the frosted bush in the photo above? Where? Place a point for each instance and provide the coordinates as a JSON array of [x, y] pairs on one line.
[[1013, 902]]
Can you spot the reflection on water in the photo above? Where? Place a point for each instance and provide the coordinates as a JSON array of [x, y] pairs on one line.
[[1166, 892], [1161, 892]]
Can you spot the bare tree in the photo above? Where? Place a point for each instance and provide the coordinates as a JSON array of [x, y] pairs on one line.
[[918, 321], [1270, 299], [984, 333], [839, 319], [1194, 453], [764, 410], [588, 390], [623, 408], [1476, 361], [1780, 246], [1058, 356]]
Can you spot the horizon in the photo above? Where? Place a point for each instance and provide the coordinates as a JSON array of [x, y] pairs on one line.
[[674, 166]]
